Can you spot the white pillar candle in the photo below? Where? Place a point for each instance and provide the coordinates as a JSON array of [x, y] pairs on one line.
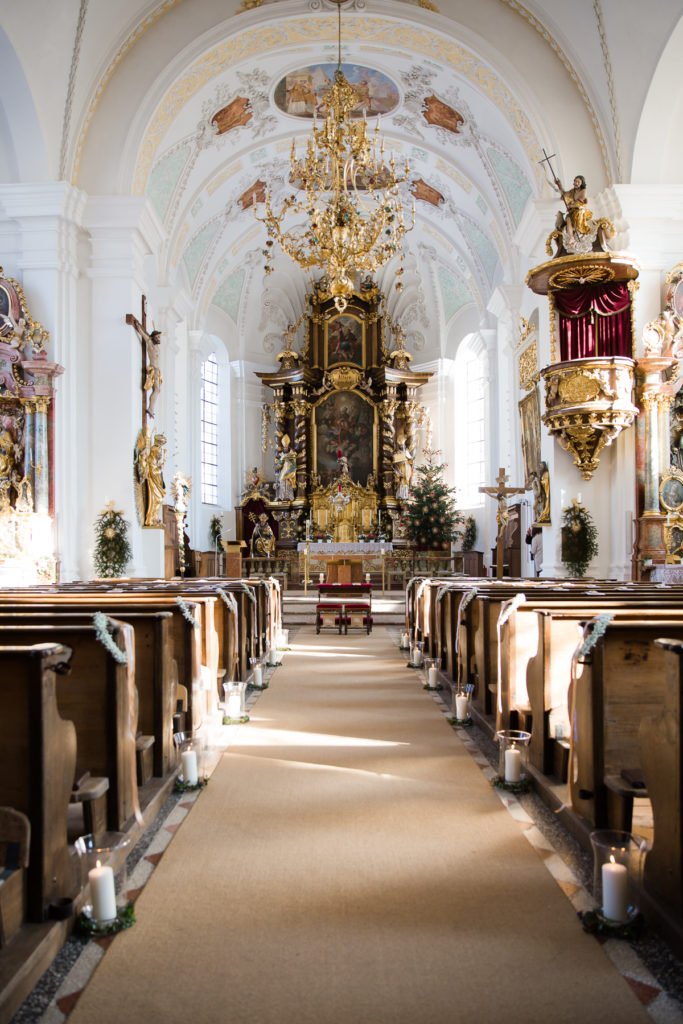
[[234, 706], [513, 765], [258, 676], [433, 678], [405, 642], [461, 707], [367, 577], [188, 760], [321, 577], [417, 657], [102, 892], [615, 891]]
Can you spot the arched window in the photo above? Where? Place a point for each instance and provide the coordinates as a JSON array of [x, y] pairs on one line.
[[470, 421], [209, 430]]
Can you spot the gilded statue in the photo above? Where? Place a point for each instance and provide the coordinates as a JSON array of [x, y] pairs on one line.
[[263, 538], [403, 468], [150, 456], [285, 467], [576, 233]]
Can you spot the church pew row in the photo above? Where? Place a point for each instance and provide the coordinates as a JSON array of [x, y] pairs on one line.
[[99, 696], [155, 671]]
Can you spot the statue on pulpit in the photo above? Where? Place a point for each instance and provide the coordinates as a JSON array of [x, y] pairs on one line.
[[285, 467]]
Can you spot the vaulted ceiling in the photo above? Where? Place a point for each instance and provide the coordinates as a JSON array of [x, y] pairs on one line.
[[185, 102]]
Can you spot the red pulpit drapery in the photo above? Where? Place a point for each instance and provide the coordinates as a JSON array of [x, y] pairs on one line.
[[595, 320]]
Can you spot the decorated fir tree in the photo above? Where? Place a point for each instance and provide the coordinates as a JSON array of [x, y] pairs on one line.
[[431, 516], [112, 547]]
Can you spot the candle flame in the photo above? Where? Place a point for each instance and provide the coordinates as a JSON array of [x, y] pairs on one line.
[[611, 859], [99, 865]]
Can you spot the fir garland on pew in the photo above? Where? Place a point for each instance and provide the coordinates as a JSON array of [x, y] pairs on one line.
[[112, 547], [579, 539]]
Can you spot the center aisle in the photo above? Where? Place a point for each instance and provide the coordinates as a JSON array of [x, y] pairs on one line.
[[349, 864]]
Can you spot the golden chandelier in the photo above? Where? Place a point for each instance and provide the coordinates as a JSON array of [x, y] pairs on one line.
[[349, 196]]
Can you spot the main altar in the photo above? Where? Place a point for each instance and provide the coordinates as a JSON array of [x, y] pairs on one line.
[[342, 431]]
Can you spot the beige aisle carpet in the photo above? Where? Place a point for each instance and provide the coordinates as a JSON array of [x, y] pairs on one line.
[[349, 864]]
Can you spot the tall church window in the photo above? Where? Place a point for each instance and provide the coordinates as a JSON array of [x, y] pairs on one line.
[[471, 460], [209, 431]]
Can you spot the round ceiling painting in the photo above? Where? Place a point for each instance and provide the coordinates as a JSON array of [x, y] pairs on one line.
[[301, 92]]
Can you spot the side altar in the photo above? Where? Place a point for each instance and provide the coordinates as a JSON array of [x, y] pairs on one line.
[[342, 427]]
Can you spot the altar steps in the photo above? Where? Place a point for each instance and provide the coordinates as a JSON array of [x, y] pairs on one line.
[[298, 608]]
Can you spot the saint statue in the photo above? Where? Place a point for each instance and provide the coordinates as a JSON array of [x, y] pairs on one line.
[[403, 468], [263, 538], [576, 233], [150, 456], [285, 467]]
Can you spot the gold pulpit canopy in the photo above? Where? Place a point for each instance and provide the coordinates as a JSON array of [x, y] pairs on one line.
[[343, 509]]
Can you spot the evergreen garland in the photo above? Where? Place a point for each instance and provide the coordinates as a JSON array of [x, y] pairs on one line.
[[431, 516], [470, 534], [112, 547], [579, 539], [215, 529]]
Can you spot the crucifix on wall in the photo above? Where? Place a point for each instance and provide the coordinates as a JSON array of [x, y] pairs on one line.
[[151, 372], [501, 493]]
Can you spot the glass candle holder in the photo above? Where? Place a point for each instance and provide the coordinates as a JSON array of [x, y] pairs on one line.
[[367, 577], [191, 753], [513, 755], [235, 702], [282, 638], [618, 860], [432, 668], [256, 677], [461, 705], [416, 653], [104, 877], [405, 642]]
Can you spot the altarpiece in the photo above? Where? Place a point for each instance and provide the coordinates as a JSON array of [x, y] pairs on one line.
[[26, 442], [342, 425]]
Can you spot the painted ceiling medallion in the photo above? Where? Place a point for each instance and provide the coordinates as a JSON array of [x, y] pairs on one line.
[[256, 193], [301, 93], [440, 114], [235, 115], [421, 190]]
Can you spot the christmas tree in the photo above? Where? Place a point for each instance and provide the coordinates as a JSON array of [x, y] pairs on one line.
[[431, 516], [112, 547]]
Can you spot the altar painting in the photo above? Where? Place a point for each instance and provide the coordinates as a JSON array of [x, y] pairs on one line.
[[344, 422], [530, 416], [344, 341]]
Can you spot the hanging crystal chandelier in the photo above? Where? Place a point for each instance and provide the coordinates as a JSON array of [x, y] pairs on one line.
[[348, 194]]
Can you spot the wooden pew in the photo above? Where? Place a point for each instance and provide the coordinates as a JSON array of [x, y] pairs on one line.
[[99, 696], [155, 671], [615, 686], [661, 751], [37, 765], [185, 633]]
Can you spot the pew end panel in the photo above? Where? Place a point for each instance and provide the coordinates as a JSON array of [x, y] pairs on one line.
[[38, 748]]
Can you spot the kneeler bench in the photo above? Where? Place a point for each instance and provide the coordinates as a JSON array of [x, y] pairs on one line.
[[621, 793], [356, 615], [329, 616], [91, 792]]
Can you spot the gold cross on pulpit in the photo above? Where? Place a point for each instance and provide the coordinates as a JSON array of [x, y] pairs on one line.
[[501, 493]]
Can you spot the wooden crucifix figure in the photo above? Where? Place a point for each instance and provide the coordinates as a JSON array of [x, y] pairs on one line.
[[151, 372], [501, 493]]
